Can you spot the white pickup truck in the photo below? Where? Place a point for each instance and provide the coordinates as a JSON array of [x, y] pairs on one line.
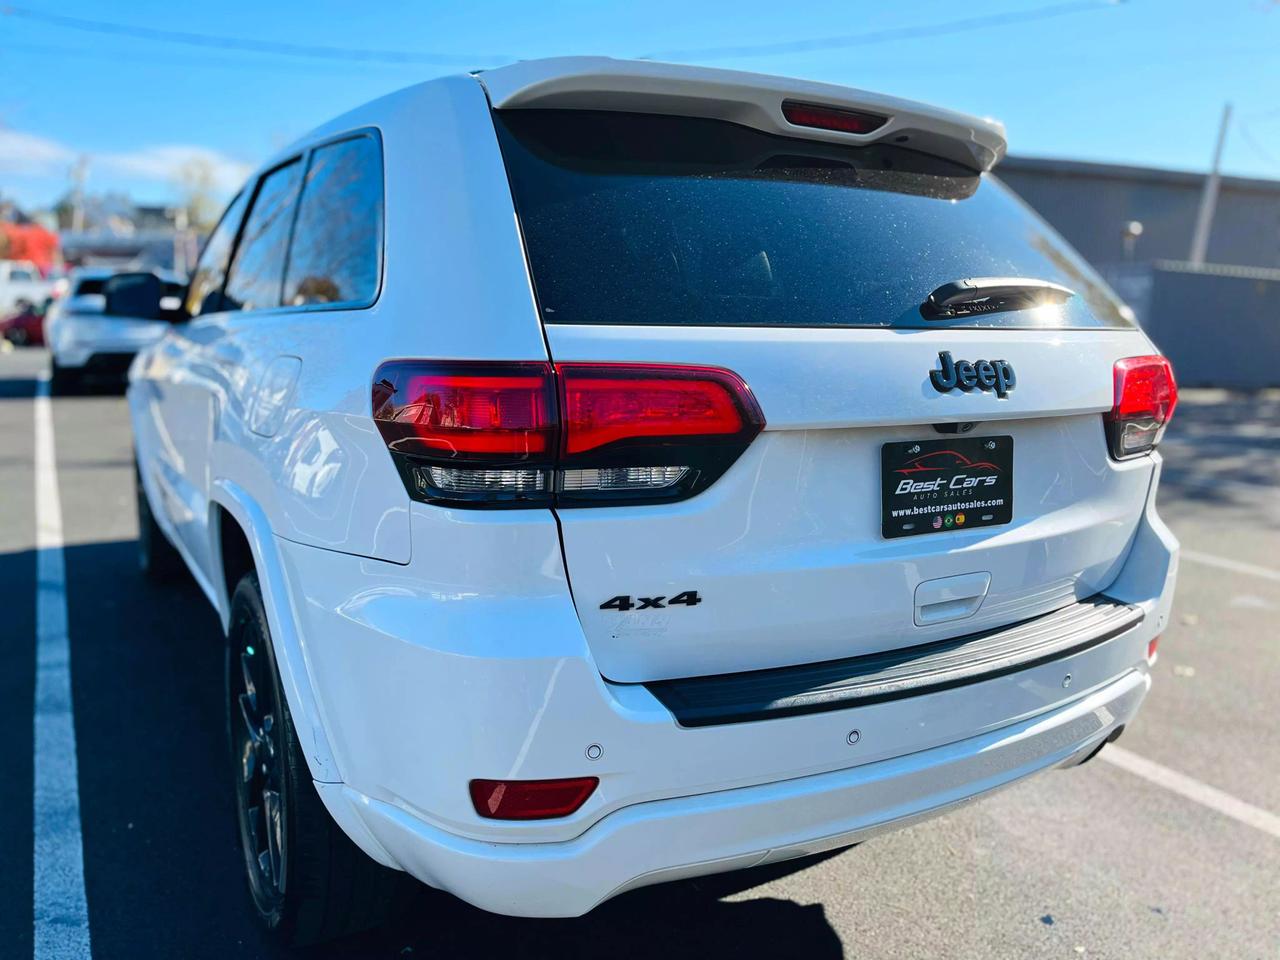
[[20, 281]]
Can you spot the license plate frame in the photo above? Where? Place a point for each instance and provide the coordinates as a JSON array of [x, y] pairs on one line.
[[955, 483]]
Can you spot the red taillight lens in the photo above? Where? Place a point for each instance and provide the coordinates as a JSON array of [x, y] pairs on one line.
[[831, 118], [605, 404], [523, 434], [1145, 396], [530, 799], [466, 411]]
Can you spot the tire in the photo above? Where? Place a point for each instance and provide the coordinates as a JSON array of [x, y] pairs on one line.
[[158, 559], [307, 881]]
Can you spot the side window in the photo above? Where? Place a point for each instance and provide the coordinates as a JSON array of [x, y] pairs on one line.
[[204, 295], [21, 275], [335, 257], [257, 269]]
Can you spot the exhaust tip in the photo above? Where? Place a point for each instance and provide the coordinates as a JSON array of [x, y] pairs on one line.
[[1112, 737]]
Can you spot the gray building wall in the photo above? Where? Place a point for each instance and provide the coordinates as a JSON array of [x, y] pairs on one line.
[[1218, 323], [1220, 326], [1090, 203]]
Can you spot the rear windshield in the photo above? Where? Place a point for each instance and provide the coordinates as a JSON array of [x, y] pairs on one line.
[[639, 219]]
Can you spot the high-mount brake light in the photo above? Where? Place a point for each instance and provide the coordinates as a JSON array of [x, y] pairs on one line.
[[1145, 396], [468, 433], [831, 118], [530, 799]]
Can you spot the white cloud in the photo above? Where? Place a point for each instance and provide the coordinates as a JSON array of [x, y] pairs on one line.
[[167, 163], [28, 154]]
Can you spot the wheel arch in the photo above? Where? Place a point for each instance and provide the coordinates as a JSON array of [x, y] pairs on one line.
[[243, 542]]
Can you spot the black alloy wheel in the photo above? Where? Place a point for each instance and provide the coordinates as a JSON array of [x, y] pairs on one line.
[[260, 784]]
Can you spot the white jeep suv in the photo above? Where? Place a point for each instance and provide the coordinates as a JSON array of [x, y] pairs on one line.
[[611, 472]]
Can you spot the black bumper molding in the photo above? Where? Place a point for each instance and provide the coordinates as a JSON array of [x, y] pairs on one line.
[[894, 674]]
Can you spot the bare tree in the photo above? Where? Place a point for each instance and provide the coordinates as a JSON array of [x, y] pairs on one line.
[[198, 183]]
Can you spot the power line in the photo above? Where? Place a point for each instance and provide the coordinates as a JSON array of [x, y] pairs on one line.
[[186, 60], [1247, 136], [253, 46], [964, 25], [208, 41]]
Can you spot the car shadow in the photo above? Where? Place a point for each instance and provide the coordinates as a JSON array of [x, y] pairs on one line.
[[684, 919], [17, 388], [94, 387], [158, 817]]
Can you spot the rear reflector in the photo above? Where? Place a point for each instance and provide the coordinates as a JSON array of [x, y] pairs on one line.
[[831, 118], [527, 434], [1145, 396], [1153, 645], [530, 799]]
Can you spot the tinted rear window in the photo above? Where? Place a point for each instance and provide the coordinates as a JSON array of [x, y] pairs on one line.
[[639, 219]]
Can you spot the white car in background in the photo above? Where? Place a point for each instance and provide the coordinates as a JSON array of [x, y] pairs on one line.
[[89, 339], [21, 283], [608, 472]]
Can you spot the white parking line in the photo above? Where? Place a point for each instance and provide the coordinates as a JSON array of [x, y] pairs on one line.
[[1225, 563], [1193, 789], [59, 906]]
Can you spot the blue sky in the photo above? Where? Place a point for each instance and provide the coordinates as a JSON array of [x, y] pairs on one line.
[[1141, 81]]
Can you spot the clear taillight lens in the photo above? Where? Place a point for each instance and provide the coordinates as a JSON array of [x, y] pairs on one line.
[[1145, 396], [527, 434]]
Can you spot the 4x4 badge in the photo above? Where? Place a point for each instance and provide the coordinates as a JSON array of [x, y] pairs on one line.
[[994, 375]]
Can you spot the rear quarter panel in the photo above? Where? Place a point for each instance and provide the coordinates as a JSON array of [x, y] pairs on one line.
[[454, 286]]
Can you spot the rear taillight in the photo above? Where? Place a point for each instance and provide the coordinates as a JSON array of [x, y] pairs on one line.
[[831, 118], [1145, 395], [530, 799], [469, 432], [578, 434]]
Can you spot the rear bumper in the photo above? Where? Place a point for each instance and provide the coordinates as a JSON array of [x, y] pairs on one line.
[[423, 679], [668, 839]]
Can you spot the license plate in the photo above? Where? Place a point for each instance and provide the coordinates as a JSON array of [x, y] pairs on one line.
[[932, 486]]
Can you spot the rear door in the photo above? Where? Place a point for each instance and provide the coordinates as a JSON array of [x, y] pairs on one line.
[[879, 508], [175, 395]]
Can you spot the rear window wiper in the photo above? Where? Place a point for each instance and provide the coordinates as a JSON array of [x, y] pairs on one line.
[[962, 298]]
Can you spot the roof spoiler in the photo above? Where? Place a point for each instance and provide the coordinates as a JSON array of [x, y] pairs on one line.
[[751, 99]]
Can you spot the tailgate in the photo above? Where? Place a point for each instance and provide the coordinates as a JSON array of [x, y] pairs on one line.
[[786, 550]]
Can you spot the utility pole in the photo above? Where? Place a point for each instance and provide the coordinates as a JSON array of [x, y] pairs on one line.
[[79, 173], [1209, 198]]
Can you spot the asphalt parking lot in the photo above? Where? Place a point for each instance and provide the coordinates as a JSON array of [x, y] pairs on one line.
[[1177, 856]]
